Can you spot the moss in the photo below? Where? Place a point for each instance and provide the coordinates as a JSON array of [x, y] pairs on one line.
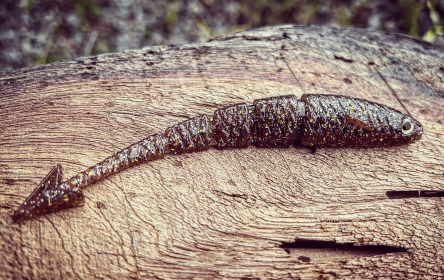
[[52, 57], [55, 57], [437, 28], [203, 27], [94, 9], [86, 8], [102, 45], [343, 15], [255, 13], [53, 53], [27, 5], [171, 16], [41, 60], [147, 34], [309, 13], [409, 13], [80, 9]]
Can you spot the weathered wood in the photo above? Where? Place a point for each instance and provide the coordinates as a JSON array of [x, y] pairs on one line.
[[224, 214]]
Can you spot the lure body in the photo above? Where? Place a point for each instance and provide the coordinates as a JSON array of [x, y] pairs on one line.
[[312, 121]]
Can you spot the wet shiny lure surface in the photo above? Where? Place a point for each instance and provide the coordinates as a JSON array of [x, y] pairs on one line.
[[312, 121]]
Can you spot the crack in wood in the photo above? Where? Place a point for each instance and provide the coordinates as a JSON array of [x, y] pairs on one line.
[[413, 194], [343, 59], [316, 251]]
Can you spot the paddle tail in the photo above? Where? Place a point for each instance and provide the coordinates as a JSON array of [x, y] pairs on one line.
[[51, 195]]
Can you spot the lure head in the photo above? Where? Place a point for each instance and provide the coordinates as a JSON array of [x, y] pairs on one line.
[[388, 128], [408, 129], [51, 195], [384, 126], [338, 121]]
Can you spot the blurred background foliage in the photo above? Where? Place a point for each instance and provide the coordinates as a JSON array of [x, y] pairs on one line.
[[43, 31]]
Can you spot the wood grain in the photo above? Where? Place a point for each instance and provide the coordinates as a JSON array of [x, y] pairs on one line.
[[224, 214]]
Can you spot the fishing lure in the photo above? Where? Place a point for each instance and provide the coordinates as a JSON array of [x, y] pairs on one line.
[[312, 121]]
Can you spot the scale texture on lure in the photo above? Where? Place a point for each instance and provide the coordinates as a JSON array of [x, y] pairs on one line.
[[312, 121]]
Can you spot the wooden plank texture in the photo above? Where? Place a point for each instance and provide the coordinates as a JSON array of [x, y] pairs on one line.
[[225, 214]]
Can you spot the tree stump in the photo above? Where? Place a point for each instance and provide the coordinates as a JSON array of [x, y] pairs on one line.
[[242, 213]]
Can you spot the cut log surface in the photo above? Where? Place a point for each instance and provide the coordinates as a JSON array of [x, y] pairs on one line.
[[237, 214]]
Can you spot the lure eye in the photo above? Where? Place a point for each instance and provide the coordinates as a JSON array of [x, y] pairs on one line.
[[407, 126]]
